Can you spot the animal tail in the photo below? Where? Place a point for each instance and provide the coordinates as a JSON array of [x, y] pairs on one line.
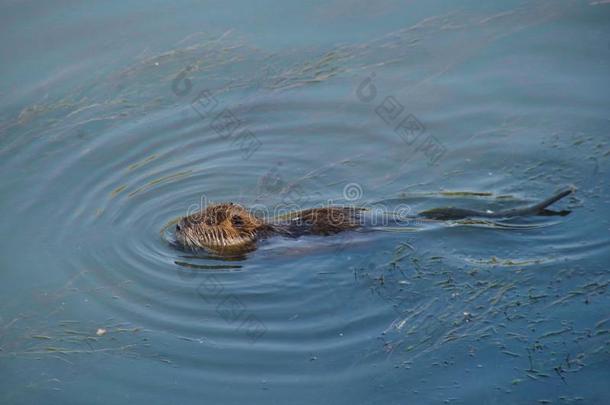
[[537, 208], [450, 213]]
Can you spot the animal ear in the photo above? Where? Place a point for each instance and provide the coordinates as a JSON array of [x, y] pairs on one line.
[[237, 221]]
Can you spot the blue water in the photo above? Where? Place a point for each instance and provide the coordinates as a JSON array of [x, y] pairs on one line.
[[117, 118]]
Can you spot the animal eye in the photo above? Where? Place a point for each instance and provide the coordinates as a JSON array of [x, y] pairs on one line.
[[237, 221]]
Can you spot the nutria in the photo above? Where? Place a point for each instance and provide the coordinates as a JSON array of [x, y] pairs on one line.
[[230, 227]]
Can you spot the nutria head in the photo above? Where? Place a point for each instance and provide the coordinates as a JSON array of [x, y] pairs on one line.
[[218, 227]]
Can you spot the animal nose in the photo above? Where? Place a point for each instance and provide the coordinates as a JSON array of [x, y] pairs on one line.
[[178, 227]]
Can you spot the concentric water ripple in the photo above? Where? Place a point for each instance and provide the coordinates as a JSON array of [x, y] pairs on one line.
[[101, 170]]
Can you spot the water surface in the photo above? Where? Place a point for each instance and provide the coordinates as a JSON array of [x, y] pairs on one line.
[[117, 118]]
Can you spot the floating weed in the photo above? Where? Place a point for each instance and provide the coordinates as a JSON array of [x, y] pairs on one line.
[[480, 306], [602, 323], [118, 190], [72, 342], [494, 261], [161, 180], [142, 162], [465, 194], [555, 333]]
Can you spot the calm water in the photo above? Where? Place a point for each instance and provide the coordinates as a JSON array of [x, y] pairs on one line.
[[119, 117]]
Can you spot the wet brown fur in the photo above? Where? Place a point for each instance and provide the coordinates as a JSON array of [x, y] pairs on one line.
[[230, 226]]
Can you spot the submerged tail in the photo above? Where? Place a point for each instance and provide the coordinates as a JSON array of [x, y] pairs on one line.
[[450, 213]]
